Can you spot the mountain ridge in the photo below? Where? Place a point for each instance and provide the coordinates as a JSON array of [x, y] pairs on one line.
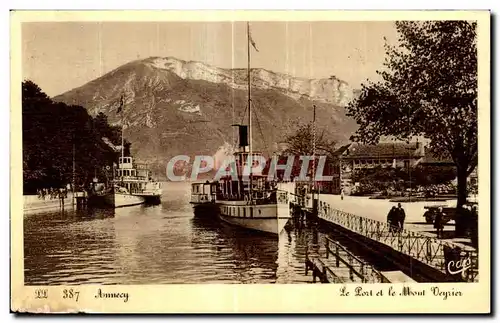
[[190, 110]]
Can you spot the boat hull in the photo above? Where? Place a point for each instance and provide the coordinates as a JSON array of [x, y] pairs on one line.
[[150, 199], [205, 209], [122, 199], [270, 218]]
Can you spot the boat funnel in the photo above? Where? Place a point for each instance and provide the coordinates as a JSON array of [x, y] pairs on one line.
[[243, 133]]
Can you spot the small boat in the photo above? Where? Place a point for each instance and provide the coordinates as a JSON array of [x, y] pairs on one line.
[[132, 185], [203, 198]]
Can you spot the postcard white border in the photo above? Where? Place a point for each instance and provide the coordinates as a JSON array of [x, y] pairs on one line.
[[317, 298]]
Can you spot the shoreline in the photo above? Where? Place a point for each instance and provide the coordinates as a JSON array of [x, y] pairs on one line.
[[32, 204]]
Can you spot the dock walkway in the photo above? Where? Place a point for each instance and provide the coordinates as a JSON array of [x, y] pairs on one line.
[[419, 245]]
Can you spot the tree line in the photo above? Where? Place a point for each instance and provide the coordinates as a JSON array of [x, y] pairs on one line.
[[55, 134]]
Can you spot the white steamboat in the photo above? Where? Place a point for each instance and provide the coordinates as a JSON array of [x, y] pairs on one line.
[[133, 185]]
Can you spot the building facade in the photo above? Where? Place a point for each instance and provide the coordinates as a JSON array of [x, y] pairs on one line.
[[355, 156]]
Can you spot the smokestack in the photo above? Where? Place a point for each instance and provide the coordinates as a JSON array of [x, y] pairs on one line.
[[243, 134]]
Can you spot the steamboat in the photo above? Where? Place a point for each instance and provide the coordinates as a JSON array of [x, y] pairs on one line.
[[132, 185], [245, 199]]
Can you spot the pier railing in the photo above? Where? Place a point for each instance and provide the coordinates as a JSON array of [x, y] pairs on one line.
[[357, 267], [423, 247], [336, 264]]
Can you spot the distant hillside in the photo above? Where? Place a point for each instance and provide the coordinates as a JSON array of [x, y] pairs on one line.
[[174, 107]]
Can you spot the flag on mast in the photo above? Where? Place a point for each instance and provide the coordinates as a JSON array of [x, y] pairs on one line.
[[251, 39]]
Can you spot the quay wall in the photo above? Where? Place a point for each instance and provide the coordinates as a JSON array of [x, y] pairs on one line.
[[32, 204]]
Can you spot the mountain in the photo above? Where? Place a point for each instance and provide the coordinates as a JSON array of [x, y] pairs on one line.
[[175, 107]]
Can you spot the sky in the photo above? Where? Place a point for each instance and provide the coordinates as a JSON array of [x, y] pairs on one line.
[[60, 56]]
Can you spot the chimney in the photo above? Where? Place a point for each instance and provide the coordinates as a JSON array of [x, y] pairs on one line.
[[243, 130], [243, 136]]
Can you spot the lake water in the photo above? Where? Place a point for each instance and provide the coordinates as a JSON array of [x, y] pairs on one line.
[[159, 244]]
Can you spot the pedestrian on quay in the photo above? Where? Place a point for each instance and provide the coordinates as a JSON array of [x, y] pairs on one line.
[[342, 194], [438, 223], [61, 197], [391, 219], [400, 217]]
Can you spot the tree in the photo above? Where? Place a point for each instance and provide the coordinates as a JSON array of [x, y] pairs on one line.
[[428, 88], [51, 130], [300, 142], [433, 175]]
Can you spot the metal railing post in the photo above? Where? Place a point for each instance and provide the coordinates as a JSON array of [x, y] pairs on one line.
[[337, 261]]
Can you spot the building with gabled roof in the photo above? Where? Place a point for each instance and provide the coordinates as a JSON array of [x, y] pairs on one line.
[[355, 156]]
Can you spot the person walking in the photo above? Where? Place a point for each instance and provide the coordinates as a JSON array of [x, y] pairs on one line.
[[438, 223], [342, 194], [400, 217], [61, 197], [391, 219]]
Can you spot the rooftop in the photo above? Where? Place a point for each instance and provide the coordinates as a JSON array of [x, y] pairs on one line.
[[382, 150], [432, 158]]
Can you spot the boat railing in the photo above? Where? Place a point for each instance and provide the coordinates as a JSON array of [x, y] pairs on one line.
[[259, 197], [202, 198], [136, 178], [140, 166]]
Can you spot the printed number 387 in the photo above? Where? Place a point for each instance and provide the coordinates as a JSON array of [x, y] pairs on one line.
[[69, 293]]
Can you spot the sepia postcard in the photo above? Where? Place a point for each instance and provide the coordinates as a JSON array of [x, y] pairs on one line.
[[250, 162]]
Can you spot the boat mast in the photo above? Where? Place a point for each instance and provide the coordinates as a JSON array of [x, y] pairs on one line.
[[123, 146], [123, 142], [249, 110]]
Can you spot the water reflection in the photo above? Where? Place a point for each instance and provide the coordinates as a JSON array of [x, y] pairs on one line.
[[251, 256], [159, 244]]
